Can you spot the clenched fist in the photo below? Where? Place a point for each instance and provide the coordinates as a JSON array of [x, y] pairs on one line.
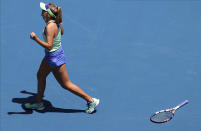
[[32, 35]]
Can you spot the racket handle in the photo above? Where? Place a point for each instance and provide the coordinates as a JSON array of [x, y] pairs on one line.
[[183, 103]]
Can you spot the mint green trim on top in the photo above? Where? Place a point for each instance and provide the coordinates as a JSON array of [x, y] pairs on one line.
[[56, 41]]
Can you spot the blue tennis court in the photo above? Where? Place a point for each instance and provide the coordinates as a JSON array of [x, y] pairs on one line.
[[137, 56]]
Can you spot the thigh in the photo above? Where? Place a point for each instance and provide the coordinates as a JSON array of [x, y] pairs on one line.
[[44, 69], [60, 73]]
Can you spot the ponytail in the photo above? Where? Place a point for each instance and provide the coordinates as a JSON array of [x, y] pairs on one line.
[[59, 15], [56, 10]]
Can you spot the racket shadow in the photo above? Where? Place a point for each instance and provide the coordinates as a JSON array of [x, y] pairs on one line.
[[48, 106]]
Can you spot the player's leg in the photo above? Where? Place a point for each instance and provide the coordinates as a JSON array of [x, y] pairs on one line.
[[42, 74], [61, 75]]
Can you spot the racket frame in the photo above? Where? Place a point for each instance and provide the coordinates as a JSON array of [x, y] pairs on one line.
[[171, 110]]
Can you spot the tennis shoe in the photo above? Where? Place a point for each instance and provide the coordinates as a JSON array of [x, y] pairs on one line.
[[92, 106], [35, 106]]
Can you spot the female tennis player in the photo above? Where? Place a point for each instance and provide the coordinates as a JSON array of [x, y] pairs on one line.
[[54, 60]]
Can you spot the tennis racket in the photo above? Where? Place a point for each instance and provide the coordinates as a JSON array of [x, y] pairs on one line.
[[166, 115]]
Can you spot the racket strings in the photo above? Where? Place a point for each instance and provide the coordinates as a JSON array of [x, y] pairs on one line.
[[162, 117]]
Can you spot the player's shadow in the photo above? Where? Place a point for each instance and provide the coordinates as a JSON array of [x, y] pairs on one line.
[[48, 106]]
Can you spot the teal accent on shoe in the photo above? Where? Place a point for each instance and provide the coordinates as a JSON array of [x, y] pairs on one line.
[[92, 106], [35, 106]]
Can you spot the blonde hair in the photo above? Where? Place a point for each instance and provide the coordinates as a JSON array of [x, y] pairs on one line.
[[56, 10]]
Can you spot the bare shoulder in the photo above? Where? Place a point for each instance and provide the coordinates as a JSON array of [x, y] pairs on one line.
[[51, 27]]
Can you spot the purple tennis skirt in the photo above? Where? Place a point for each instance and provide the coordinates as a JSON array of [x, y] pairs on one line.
[[55, 58]]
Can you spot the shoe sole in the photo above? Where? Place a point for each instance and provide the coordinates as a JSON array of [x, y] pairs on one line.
[[98, 101], [39, 109]]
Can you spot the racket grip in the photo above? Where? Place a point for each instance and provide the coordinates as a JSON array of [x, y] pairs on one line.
[[183, 103]]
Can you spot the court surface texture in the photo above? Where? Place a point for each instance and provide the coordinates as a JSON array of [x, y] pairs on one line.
[[136, 56]]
